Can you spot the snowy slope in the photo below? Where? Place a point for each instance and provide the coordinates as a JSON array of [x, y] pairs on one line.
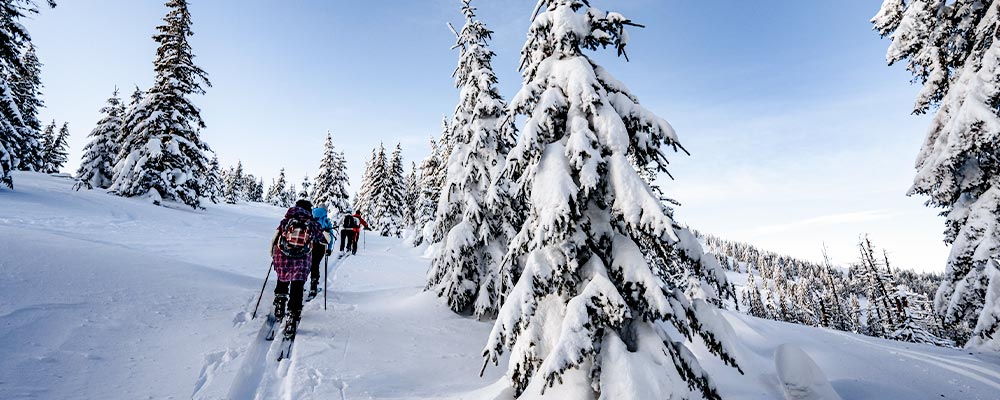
[[104, 297]]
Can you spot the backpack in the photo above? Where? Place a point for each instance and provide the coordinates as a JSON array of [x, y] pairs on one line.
[[295, 238], [350, 222]]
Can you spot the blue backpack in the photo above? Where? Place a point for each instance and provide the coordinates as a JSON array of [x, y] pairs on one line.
[[319, 214]]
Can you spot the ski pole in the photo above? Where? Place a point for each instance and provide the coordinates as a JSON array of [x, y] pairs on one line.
[[326, 277], [262, 290]]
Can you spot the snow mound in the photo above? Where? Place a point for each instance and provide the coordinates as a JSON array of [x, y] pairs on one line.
[[800, 376]]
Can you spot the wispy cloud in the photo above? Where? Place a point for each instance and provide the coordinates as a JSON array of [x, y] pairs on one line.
[[824, 220]]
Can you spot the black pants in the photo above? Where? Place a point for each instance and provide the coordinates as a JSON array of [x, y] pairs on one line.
[[319, 251], [351, 239], [294, 291]]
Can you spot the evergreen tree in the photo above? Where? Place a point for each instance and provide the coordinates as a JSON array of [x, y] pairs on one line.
[[276, 193], [914, 321], [128, 122], [873, 325], [755, 304], [854, 314], [389, 194], [363, 200], [340, 200], [585, 296], [164, 156], [97, 166], [986, 329], [767, 298], [18, 137], [445, 144], [430, 189], [48, 140], [412, 196], [304, 193], [466, 267], [56, 150], [877, 277], [291, 196], [832, 296], [234, 185], [803, 304], [781, 311], [256, 192], [214, 182], [331, 183], [26, 88], [951, 49]]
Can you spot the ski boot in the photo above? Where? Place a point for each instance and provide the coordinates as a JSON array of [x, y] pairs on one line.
[[292, 324], [313, 288], [279, 306]]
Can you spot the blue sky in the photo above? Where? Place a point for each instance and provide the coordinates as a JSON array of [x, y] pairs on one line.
[[799, 133]]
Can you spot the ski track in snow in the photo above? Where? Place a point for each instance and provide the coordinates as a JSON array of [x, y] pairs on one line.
[[970, 371], [284, 373]]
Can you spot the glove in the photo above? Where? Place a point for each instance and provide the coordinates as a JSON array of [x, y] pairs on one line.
[[327, 251]]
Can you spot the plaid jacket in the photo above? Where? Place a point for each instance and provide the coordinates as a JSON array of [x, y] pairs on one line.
[[295, 269]]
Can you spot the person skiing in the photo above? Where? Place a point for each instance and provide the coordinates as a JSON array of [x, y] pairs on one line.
[[350, 229], [291, 251], [320, 216]]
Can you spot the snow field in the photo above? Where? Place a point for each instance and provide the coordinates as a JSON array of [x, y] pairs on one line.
[[106, 297]]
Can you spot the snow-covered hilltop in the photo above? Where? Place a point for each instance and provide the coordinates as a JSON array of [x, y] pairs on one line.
[[106, 297]]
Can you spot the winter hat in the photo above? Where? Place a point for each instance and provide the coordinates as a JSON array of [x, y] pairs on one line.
[[304, 204]]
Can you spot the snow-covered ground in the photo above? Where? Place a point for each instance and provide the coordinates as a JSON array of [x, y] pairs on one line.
[[104, 297]]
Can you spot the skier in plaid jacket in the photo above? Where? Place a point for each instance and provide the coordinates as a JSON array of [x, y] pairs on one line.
[[293, 270]]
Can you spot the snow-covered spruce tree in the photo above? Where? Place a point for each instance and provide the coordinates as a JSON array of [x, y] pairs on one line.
[[255, 193], [97, 166], [464, 273], [163, 155], [780, 311], [364, 198], [234, 185], [876, 277], [854, 314], [48, 139], [56, 150], [19, 145], [914, 322], [340, 200], [951, 49], [445, 144], [389, 196], [304, 192], [372, 198], [987, 326], [754, 302], [832, 299], [331, 183], [128, 121], [430, 190], [291, 196], [214, 181], [276, 193], [412, 196], [321, 190], [586, 298], [26, 87]]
